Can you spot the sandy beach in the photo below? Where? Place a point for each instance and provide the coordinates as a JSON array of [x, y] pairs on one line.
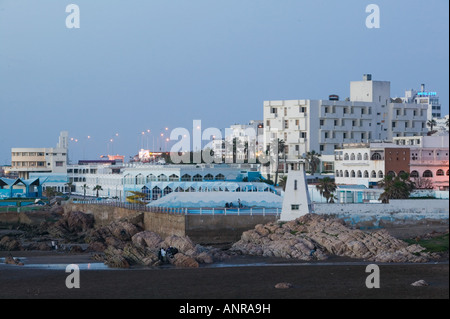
[[238, 278]]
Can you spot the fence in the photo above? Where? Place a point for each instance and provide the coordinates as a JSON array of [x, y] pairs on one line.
[[186, 211]]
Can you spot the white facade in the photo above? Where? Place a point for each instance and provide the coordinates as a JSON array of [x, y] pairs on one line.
[[41, 160], [325, 125], [358, 164], [296, 200], [431, 99]]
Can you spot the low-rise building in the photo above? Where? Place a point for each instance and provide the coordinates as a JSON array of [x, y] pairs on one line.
[[368, 163]]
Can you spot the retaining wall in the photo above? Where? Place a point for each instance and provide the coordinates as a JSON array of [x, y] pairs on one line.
[[202, 229]]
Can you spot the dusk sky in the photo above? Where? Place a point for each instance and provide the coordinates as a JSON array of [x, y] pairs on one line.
[[134, 66]]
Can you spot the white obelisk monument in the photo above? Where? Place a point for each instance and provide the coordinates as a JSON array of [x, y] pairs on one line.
[[296, 201]]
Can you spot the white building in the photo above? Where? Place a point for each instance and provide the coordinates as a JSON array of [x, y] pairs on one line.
[[41, 160], [441, 124], [431, 99], [325, 125], [366, 164]]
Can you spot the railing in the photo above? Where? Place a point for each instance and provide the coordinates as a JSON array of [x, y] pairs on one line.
[[188, 211]]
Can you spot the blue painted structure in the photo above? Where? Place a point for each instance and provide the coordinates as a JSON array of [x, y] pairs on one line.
[[29, 188]]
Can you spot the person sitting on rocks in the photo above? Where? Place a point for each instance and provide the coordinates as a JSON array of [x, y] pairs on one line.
[[162, 255]]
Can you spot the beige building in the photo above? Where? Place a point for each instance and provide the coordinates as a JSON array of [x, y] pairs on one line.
[[40, 160]]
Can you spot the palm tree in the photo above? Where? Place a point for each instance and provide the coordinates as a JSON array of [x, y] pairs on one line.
[[97, 188], [326, 188], [69, 186], [398, 187], [431, 124], [84, 188], [313, 160], [283, 181], [280, 150]]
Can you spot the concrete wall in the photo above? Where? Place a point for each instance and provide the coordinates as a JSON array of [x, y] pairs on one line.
[[202, 229], [165, 224], [396, 212], [221, 229]]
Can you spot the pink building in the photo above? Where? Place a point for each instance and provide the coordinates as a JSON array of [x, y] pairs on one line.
[[429, 162]]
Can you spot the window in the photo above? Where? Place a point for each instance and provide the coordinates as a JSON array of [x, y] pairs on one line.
[[344, 135], [346, 174], [414, 174], [346, 157], [273, 110], [359, 174], [286, 123], [174, 178], [297, 122], [322, 148], [391, 173], [353, 174], [374, 174], [359, 157], [326, 109], [151, 178], [163, 178], [285, 111], [326, 134], [440, 172], [59, 164], [393, 124], [268, 123], [352, 157], [197, 178], [366, 174], [427, 173], [220, 177], [354, 123], [380, 174], [295, 185], [376, 157], [335, 122], [140, 179], [321, 122], [295, 207], [208, 177], [303, 134]]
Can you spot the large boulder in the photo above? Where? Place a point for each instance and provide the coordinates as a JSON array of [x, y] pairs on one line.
[[184, 261], [10, 244], [183, 244], [147, 239], [313, 237]]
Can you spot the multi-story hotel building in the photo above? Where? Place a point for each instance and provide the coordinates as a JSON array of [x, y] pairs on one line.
[[431, 99], [40, 160], [325, 125]]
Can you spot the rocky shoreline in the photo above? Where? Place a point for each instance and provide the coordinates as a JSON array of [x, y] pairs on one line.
[[125, 243]]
